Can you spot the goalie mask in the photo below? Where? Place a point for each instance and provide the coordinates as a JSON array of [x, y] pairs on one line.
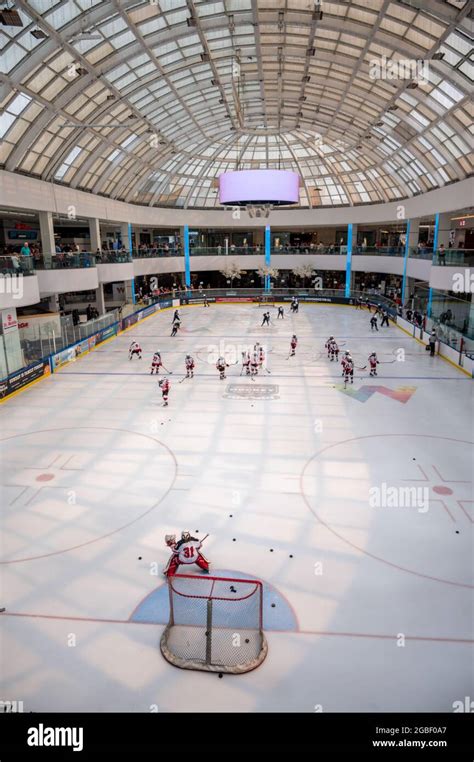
[[170, 539], [186, 535]]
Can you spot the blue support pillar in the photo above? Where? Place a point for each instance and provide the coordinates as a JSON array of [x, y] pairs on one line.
[[130, 245], [436, 233], [268, 254], [435, 247], [348, 261], [405, 261], [187, 260]]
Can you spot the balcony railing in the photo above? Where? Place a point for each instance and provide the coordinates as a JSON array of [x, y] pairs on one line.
[[156, 251], [16, 264], [380, 251], [454, 257], [113, 257], [64, 261], [422, 252]]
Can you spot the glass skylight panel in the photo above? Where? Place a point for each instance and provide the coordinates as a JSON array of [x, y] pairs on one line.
[[434, 154], [467, 68], [441, 98], [459, 42], [419, 118], [113, 27], [451, 91], [65, 13], [68, 161]]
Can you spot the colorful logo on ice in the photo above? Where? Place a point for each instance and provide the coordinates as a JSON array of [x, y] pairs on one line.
[[401, 393]]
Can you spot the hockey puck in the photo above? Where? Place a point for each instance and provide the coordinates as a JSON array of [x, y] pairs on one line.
[[139, 558], [273, 605], [233, 539], [291, 556], [457, 531], [220, 674], [196, 530], [230, 515], [247, 640], [271, 550]]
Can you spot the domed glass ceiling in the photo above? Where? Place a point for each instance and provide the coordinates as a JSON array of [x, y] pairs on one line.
[[150, 102]]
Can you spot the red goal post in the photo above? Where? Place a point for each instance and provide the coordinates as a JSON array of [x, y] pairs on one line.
[[215, 624]]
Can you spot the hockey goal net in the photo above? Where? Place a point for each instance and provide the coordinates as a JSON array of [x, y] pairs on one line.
[[215, 625]]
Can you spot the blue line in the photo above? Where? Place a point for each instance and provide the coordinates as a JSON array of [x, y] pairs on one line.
[[405, 260], [187, 262], [347, 292]]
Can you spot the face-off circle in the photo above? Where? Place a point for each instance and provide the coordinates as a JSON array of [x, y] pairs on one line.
[[65, 488], [399, 499]]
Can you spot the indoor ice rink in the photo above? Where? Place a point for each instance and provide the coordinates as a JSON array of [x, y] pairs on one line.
[[236, 362], [365, 608]]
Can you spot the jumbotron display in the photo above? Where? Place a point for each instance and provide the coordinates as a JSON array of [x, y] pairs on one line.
[[259, 186]]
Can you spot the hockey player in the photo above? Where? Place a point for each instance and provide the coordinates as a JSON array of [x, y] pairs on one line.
[[221, 365], [176, 327], [261, 356], [254, 362], [186, 551], [206, 303], [156, 363], [333, 350], [384, 319], [348, 369], [293, 344], [297, 306], [135, 349], [373, 362], [189, 362], [266, 318], [328, 346], [343, 362], [293, 304], [281, 313], [246, 363], [164, 385], [176, 317], [373, 323]]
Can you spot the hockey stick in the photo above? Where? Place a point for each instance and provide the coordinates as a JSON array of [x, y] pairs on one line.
[[165, 368], [183, 379], [265, 368], [386, 362], [363, 367]]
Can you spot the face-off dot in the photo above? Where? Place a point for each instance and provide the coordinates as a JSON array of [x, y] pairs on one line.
[[44, 477], [440, 490]]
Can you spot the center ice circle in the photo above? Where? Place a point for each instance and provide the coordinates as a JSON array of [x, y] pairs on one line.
[[68, 488], [381, 496]]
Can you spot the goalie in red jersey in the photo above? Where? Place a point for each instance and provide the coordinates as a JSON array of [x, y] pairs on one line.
[[186, 551]]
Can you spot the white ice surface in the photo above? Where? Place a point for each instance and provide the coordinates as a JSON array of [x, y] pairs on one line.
[[294, 471]]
